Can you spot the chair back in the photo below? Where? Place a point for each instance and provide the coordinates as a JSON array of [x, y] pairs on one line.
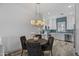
[[50, 41], [34, 49], [23, 42], [39, 36]]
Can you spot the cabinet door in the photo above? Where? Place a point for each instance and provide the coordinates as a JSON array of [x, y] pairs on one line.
[[61, 27], [61, 24]]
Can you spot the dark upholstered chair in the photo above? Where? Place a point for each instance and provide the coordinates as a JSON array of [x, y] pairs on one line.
[[34, 49], [23, 44], [39, 36], [49, 45]]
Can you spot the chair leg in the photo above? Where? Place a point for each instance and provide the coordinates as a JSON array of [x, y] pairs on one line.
[[51, 52], [22, 52]]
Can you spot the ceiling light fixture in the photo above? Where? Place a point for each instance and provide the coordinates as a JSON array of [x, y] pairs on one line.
[[69, 6], [38, 21]]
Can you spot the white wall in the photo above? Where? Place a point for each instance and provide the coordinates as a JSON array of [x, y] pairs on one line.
[[14, 22], [77, 29], [70, 21]]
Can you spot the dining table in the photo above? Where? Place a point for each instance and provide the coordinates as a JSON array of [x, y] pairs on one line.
[[32, 50], [41, 41]]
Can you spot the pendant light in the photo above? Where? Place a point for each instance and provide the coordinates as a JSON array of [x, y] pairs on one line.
[[38, 21]]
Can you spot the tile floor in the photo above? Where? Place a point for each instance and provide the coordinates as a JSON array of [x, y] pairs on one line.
[[60, 48]]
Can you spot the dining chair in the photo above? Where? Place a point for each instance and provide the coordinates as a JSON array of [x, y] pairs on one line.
[[23, 44], [39, 36], [49, 45], [34, 49]]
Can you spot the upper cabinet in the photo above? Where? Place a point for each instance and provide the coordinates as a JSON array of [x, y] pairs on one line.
[[61, 24]]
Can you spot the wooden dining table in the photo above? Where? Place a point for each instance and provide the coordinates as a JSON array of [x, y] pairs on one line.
[[41, 41], [34, 51]]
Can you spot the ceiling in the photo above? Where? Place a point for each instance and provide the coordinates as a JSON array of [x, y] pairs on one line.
[[51, 9]]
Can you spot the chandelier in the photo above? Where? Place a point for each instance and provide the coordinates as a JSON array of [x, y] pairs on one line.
[[38, 21]]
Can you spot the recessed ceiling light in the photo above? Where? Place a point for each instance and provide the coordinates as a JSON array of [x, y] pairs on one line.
[[69, 6]]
